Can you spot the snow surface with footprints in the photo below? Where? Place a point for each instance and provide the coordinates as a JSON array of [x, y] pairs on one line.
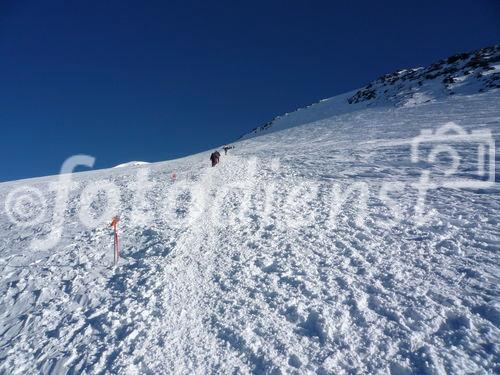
[[260, 281]]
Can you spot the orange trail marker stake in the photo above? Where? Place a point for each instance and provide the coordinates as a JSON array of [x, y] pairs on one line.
[[114, 224]]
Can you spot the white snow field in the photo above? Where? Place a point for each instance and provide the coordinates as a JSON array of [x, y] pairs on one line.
[[265, 263]]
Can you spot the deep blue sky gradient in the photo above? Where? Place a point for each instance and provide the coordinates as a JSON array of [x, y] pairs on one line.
[[155, 80]]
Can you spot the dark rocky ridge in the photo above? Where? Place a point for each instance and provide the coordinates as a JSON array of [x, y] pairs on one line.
[[460, 74]]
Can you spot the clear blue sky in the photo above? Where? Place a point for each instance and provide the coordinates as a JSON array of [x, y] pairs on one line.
[[155, 80]]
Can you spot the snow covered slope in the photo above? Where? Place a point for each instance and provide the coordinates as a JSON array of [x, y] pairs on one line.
[[460, 74], [258, 265]]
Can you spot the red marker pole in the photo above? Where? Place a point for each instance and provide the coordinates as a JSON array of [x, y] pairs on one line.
[[114, 224]]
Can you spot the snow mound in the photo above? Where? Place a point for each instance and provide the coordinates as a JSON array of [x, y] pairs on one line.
[[131, 164]]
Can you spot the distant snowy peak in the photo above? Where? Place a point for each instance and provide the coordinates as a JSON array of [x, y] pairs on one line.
[[131, 164], [464, 73], [460, 74]]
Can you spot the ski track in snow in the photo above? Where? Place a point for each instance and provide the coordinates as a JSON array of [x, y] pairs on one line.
[[277, 293]]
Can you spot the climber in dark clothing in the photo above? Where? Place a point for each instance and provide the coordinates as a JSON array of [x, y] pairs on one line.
[[226, 148], [214, 158]]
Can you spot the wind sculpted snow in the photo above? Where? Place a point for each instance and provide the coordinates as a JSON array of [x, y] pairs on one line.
[[299, 253]]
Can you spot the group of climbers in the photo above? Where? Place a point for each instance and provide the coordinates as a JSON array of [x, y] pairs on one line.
[[226, 148], [215, 156]]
